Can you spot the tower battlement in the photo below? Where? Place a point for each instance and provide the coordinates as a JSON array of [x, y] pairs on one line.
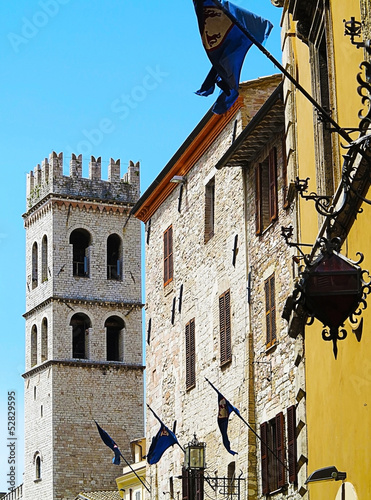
[[49, 179]]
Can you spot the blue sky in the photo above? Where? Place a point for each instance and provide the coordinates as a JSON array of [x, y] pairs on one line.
[[111, 79]]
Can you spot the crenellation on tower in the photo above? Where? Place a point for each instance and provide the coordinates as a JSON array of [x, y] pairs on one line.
[[114, 170], [95, 169], [76, 166], [49, 179], [45, 171]]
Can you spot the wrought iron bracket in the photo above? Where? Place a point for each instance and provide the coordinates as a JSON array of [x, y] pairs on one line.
[[287, 234], [226, 486], [353, 29]]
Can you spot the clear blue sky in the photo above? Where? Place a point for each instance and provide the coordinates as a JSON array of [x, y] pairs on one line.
[[111, 79]]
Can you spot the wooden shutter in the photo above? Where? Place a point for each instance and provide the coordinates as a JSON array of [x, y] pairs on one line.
[[280, 449], [258, 202], [190, 354], [270, 310], [272, 178], [225, 327], [168, 255], [264, 457], [291, 443]]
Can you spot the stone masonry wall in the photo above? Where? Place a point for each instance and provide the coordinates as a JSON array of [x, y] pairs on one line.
[[205, 271]]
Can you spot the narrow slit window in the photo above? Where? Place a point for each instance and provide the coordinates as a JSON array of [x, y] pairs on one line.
[[34, 346], [270, 310], [35, 269], [44, 340], [44, 259], [225, 328], [209, 210], [190, 354], [168, 255]]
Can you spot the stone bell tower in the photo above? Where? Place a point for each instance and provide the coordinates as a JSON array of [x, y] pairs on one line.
[[83, 326]]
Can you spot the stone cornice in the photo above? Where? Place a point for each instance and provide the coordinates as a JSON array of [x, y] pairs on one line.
[[89, 302], [82, 363], [74, 203]]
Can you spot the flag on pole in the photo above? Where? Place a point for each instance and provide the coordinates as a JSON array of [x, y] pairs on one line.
[[161, 442], [225, 409], [106, 438], [226, 46]]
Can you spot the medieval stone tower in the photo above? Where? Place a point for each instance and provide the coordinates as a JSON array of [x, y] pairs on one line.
[[83, 326]]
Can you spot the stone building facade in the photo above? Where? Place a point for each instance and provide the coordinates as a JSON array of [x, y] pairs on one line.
[[83, 326], [206, 269]]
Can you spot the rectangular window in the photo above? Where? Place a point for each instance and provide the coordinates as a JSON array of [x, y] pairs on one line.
[[266, 192], [168, 255], [209, 209], [225, 328], [190, 354], [273, 454], [270, 310]]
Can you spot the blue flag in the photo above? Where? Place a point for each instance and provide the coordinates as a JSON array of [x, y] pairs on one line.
[[225, 409], [160, 443], [106, 438], [226, 46]]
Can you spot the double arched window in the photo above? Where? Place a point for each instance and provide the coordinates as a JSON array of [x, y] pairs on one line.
[[114, 250], [33, 345], [35, 269], [81, 241], [80, 335], [115, 338], [44, 259]]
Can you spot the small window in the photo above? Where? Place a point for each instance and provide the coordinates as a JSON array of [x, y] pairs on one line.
[[270, 310], [168, 255], [114, 338], [114, 257], [44, 259], [225, 328], [231, 478], [266, 192], [273, 464], [38, 468], [80, 335], [35, 269], [209, 209], [33, 346], [44, 340], [80, 239], [190, 354]]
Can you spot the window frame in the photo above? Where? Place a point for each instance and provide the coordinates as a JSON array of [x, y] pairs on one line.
[[209, 230], [270, 311], [272, 435], [225, 329], [168, 260], [190, 354], [266, 191]]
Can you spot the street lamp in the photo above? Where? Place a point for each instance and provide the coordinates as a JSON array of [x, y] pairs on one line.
[[194, 466], [194, 456], [326, 474]]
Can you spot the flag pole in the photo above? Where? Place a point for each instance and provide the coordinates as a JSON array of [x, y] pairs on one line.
[[253, 431], [132, 470], [161, 422], [325, 115]]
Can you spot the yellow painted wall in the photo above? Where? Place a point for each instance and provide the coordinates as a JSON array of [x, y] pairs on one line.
[[338, 391]]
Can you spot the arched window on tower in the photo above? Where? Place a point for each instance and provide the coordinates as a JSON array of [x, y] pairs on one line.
[[33, 346], [80, 335], [37, 463], [44, 259], [35, 257], [114, 257], [44, 340], [115, 338], [81, 240]]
